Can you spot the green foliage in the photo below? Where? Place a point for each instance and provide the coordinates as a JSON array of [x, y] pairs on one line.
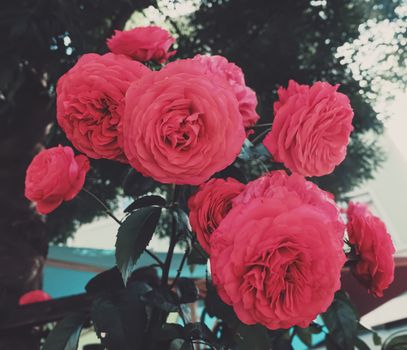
[[65, 336], [133, 237], [41, 40], [341, 320]]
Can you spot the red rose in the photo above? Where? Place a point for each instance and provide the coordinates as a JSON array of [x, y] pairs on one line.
[[311, 128], [143, 43], [33, 296], [374, 247], [182, 124], [210, 205], [233, 74], [90, 103], [55, 175], [279, 184], [277, 259]]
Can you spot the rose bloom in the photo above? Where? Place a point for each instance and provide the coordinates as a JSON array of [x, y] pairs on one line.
[[209, 205], [33, 296], [374, 247], [311, 128], [182, 124], [276, 258], [279, 184], [233, 74], [143, 43], [90, 103], [55, 175]]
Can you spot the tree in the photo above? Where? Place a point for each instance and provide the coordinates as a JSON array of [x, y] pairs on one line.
[[40, 40], [274, 41]]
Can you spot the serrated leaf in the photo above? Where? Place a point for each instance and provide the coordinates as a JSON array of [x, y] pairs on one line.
[[65, 336], [146, 201], [133, 237]]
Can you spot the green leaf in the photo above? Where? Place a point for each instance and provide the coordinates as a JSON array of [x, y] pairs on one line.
[[171, 331], [215, 307], [146, 201], [252, 337], [376, 338], [65, 336], [342, 322], [330, 344], [133, 237], [305, 335], [197, 256], [361, 345], [136, 184], [108, 324], [108, 280]]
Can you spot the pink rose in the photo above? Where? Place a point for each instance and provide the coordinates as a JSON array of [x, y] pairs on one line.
[[90, 103], [233, 74], [209, 205], [182, 124], [275, 253], [311, 128], [374, 247], [55, 175], [143, 44], [279, 184], [34, 296]]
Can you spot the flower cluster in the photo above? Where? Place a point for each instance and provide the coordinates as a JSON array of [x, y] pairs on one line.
[[275, 243]]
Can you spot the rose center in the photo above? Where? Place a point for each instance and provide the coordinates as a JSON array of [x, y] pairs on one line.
[[275, 273], [180, 125]]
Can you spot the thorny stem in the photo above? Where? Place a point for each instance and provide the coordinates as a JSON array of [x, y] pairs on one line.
[[173, 240], [181, 265]]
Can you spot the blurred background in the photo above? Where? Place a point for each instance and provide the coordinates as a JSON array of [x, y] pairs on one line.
[[359, 44]]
